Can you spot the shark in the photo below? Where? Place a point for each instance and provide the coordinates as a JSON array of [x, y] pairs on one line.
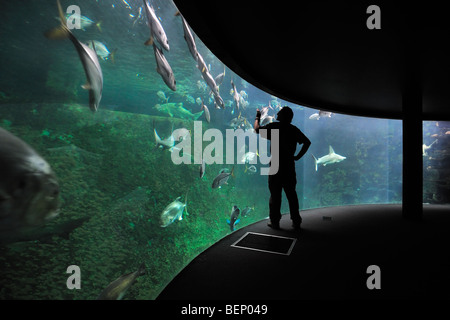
[[331, 157], [177, 110]]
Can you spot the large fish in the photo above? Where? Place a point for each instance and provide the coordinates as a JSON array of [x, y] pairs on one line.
[[234, 217], [88, 58], [164, 69], [330, 158], [177, 110], [189, 37], [117, 289], [29, 191], [156, 29], [222, 178], [172, 212]]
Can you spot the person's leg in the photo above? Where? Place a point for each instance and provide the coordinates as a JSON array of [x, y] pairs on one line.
[[291, 195], [275, 188]]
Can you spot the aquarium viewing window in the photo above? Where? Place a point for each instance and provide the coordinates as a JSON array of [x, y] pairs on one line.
[[126, 204]]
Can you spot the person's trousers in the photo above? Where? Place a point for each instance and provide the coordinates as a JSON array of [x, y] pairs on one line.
[[278, 183]]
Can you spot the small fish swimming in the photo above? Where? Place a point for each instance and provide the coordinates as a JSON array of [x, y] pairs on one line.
[[162, 95], [173, 211], [88, 58], [29, 190], [222, 178], [219, 78], [247, 210], [101, 50], [236, 96], [202, 168], [85, 22], [234, 218], [330, 158], [164, 69], [167, 143], [320, 114], [207, 114], [117, 289], [156, 29], [251, 169]]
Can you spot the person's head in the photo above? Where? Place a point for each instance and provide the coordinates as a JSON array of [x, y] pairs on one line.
[[285, 115]]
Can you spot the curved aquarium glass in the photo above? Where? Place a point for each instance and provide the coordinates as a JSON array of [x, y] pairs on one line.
[[114, 131]]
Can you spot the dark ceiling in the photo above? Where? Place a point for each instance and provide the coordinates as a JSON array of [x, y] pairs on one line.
[[322, 55]]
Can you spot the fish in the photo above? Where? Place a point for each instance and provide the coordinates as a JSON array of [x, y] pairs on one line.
[[177, 110], [101, 50], [164, 69], [173, 212], [210, 82], [320, 114], [207, 114], [247, 210], [425, 148], [249, 157], [117, 289], [29, 190], [88, 58], [138, 17], [85, 22], [236, 97], [201, 64], [265, 112], [314, 116], [251, 169], [330, 158], [234, 218], [156, 29], [219, 78], [167, 143], [218, 102], [202, 169], [162, 95], [267, 120], [325, 114], [189, 37], [222, 178]]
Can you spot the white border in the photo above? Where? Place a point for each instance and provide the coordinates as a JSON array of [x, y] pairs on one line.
[[267, 235]]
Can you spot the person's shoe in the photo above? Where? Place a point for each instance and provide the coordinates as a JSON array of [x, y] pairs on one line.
[[296, 225], [274, 225]]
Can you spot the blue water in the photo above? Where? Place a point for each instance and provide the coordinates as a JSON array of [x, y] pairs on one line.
[[114, 178]]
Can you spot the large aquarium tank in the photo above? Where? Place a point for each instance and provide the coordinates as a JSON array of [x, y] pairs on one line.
[[126, 207]]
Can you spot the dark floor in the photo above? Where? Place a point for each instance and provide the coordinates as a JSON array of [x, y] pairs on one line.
[[329, 259]]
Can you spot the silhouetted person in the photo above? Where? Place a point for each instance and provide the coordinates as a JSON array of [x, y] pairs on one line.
[[285, 178]]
